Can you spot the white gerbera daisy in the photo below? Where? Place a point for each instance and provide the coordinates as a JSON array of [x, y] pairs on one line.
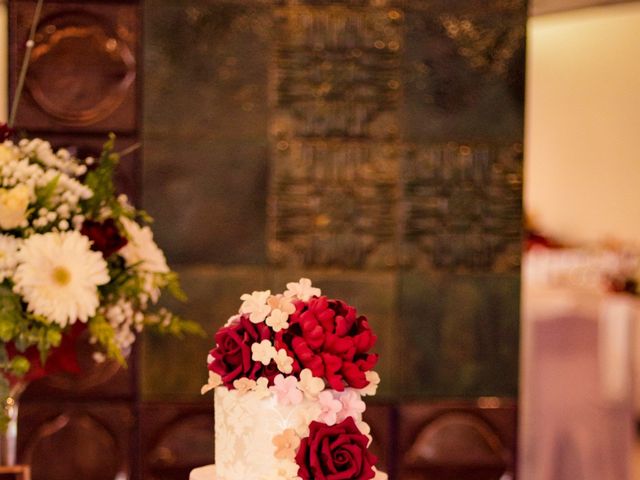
[[8, 256], [58, 276], [141, 250]]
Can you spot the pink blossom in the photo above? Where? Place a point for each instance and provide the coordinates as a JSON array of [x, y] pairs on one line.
[[352, 405], [286, 390], [329, 408]]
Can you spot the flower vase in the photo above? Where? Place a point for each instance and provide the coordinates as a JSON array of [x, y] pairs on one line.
[[9, 434]]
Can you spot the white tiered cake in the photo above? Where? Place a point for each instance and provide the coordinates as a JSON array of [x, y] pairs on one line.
[[288, 372]]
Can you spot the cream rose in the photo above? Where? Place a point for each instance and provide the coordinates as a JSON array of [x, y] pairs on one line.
[[6, 154], [13, 206]]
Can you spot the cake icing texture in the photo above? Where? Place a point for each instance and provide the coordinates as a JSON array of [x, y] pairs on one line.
[[289, 372]]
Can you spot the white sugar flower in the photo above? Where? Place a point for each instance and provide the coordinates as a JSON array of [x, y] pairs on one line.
[[141, 250], [282, 303], [255, 304], [263, 352], [278, 320], [13, 206], [215, 380], [8, 256], [374, 380], [243, 385], [58, 276], [311, 386], [262, 387], [302, 290], [283, 361], [379, 475]]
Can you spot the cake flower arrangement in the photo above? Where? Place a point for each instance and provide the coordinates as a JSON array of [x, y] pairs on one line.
[[289, 371], [74, 262]]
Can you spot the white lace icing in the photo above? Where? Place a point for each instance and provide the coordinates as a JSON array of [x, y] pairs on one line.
[[245, 426]]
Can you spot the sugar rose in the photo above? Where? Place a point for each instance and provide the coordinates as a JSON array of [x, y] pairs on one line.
[[232, 354], [336, 452], [13, 206]]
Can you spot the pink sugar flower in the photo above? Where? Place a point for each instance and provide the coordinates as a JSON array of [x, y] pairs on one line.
[[329, 408], [286, 390], [352, 405]]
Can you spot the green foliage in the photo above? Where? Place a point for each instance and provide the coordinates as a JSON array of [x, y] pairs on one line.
[[19, 366], [100, 181], [173, 286], [44, 194], [105, 335], [167, 323]]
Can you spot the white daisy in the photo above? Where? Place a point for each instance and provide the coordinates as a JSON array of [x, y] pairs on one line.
[[58, 276], [8, 256], [141, 250]]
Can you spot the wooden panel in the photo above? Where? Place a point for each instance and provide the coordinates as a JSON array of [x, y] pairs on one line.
[[176, 437], [83, 70], [71, 440], [453, 440]]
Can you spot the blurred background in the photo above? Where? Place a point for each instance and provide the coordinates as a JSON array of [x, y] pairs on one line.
[[376, 147]]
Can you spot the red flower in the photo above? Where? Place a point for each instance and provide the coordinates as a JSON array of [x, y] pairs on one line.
[[337, 452], [61, 359], [329, 338], [105, 236], [6, 132], [232, 354]]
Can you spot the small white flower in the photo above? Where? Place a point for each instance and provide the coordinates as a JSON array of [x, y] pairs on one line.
[[374, 381], [263, 352], [58, 276], [278, 320], [215, 380], [141, 250], [255, 304], [302, 290], [283, 361], [311, 386]]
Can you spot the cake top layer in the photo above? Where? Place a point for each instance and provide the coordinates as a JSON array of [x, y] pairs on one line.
[[294, 343]]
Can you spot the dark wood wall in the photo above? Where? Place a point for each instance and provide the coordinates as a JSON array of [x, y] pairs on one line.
[[83, 82]]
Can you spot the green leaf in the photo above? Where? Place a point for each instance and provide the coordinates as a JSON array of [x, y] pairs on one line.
[[105, 335], [45, 193], [10, 313]]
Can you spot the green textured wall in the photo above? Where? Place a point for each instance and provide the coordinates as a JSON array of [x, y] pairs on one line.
[[383, 162]]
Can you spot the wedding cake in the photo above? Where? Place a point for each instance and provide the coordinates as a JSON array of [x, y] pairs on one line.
[[289, 372]]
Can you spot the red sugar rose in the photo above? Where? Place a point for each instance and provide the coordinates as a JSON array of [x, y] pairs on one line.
[[337, 452], [329, 338], [232, 354]]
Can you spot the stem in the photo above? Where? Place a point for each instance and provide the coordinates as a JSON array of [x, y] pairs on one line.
[[25, 64]]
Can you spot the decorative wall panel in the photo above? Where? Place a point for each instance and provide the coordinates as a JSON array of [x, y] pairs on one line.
[[68, 440], [336, 81], [83, 69]]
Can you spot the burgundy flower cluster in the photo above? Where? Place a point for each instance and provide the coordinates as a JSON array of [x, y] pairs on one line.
[[330, 339], [232, 355], [326, 336]]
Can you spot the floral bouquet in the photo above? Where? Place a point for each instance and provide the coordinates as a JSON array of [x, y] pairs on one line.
[[74, 261]]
